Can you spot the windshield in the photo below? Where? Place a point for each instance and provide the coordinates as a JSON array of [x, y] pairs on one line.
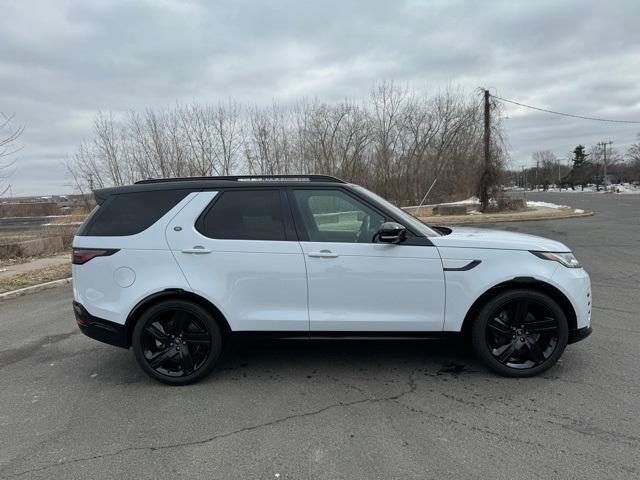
[[407, 218]]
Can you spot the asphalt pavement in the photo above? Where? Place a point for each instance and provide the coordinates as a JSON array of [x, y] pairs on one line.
[[71, 407]]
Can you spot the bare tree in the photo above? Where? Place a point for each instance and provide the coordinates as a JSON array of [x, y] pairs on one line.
[[230, 136], [546, 171], [387, 102], [399, 142], [9, 136], [632, 157]]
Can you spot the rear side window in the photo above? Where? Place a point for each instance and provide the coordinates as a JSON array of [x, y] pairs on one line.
[[245, 215], [130, 213]]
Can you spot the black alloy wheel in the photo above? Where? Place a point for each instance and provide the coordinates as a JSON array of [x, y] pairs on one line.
[[520, 333], [176, 342]]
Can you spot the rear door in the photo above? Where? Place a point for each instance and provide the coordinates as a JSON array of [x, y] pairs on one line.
[[238, 249], [356, 284]]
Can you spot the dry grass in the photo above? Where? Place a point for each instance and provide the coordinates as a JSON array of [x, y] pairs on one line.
[[9, 262], [35, 277], [65, 219], [66, 232]]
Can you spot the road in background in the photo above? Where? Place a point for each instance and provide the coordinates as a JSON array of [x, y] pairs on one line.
[[13, 225], [71, 407]]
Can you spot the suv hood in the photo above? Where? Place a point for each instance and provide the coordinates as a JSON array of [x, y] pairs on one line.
[[466, 237]]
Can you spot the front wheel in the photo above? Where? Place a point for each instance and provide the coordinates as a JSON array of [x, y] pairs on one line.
[[177, 342], [520, 333]]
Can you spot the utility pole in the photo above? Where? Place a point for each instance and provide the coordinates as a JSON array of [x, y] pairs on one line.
[[537, 167], [484, 181], [604, 160], [559, 179]]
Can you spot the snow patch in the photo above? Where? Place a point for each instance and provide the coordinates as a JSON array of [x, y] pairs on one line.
[[622, 188], [531, 203], [468, 201]]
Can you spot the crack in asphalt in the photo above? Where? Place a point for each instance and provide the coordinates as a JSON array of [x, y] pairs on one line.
[[563, 421], [411, 384], [501, 435], [469, 426]]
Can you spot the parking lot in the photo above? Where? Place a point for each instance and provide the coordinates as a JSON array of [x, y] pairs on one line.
[[71, 407]]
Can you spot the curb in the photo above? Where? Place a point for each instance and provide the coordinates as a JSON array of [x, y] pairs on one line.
[[34, 288], [468, 219]]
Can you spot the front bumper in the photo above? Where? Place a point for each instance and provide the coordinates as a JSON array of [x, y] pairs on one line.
[[100, 329], [577, 334], [576, 286]]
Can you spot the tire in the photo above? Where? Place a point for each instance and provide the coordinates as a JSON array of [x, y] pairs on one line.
[[520, 333], [177, 342]]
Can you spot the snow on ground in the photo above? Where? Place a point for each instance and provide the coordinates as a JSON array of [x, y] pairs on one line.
[[531, 203], [622, 188], [475, 201], [468, 201]]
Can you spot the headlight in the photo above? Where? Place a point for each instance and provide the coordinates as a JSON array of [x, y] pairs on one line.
[[567, 259]]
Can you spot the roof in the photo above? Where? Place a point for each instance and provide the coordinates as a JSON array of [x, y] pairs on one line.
[[201, 183]]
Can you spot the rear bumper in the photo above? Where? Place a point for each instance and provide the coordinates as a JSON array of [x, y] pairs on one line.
[[100, 329], [578, 334]]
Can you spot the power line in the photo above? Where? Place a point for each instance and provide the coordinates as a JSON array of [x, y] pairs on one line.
[[595, 119]]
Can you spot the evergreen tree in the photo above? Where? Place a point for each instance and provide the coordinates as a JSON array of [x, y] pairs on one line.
[[581, 167]]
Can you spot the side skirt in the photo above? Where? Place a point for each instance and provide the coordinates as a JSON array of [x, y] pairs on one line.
[[258, 335]]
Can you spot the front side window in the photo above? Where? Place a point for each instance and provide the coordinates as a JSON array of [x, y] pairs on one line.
[[406, 218], [334, 216], [245, 215]]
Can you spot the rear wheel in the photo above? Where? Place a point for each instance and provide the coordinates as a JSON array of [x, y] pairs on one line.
[[520, 333], [177, 342]]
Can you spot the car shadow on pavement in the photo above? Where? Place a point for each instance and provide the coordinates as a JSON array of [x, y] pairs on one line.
[[277, 359], [450, 356]]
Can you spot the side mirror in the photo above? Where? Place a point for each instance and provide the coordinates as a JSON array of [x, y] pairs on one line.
[[391, 232]]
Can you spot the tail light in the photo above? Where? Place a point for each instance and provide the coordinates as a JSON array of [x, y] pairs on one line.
[[79, 314], [83, 255]]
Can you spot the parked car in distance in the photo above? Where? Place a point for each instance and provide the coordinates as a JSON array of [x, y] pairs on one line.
[[174, 268]]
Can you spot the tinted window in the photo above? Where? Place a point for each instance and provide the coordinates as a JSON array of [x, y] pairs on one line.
[[334, 216], [245, 215], [130, 213]]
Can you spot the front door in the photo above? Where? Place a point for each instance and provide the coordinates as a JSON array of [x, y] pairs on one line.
[[356, 284]]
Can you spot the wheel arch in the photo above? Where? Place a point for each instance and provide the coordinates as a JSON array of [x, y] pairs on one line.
[[519, 283], [173, 294]]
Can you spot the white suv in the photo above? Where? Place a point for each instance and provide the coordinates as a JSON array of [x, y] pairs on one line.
[[174, 268]]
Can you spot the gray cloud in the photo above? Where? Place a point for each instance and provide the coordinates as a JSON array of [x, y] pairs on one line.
[[61, 62]]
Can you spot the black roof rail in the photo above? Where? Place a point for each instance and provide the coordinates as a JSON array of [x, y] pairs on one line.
[[248, 178]]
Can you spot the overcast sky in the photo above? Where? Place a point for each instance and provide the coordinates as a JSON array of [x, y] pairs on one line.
[[62, 61]]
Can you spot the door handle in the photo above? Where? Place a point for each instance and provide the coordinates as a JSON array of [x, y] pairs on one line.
[[198, 250], [323, 254]]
